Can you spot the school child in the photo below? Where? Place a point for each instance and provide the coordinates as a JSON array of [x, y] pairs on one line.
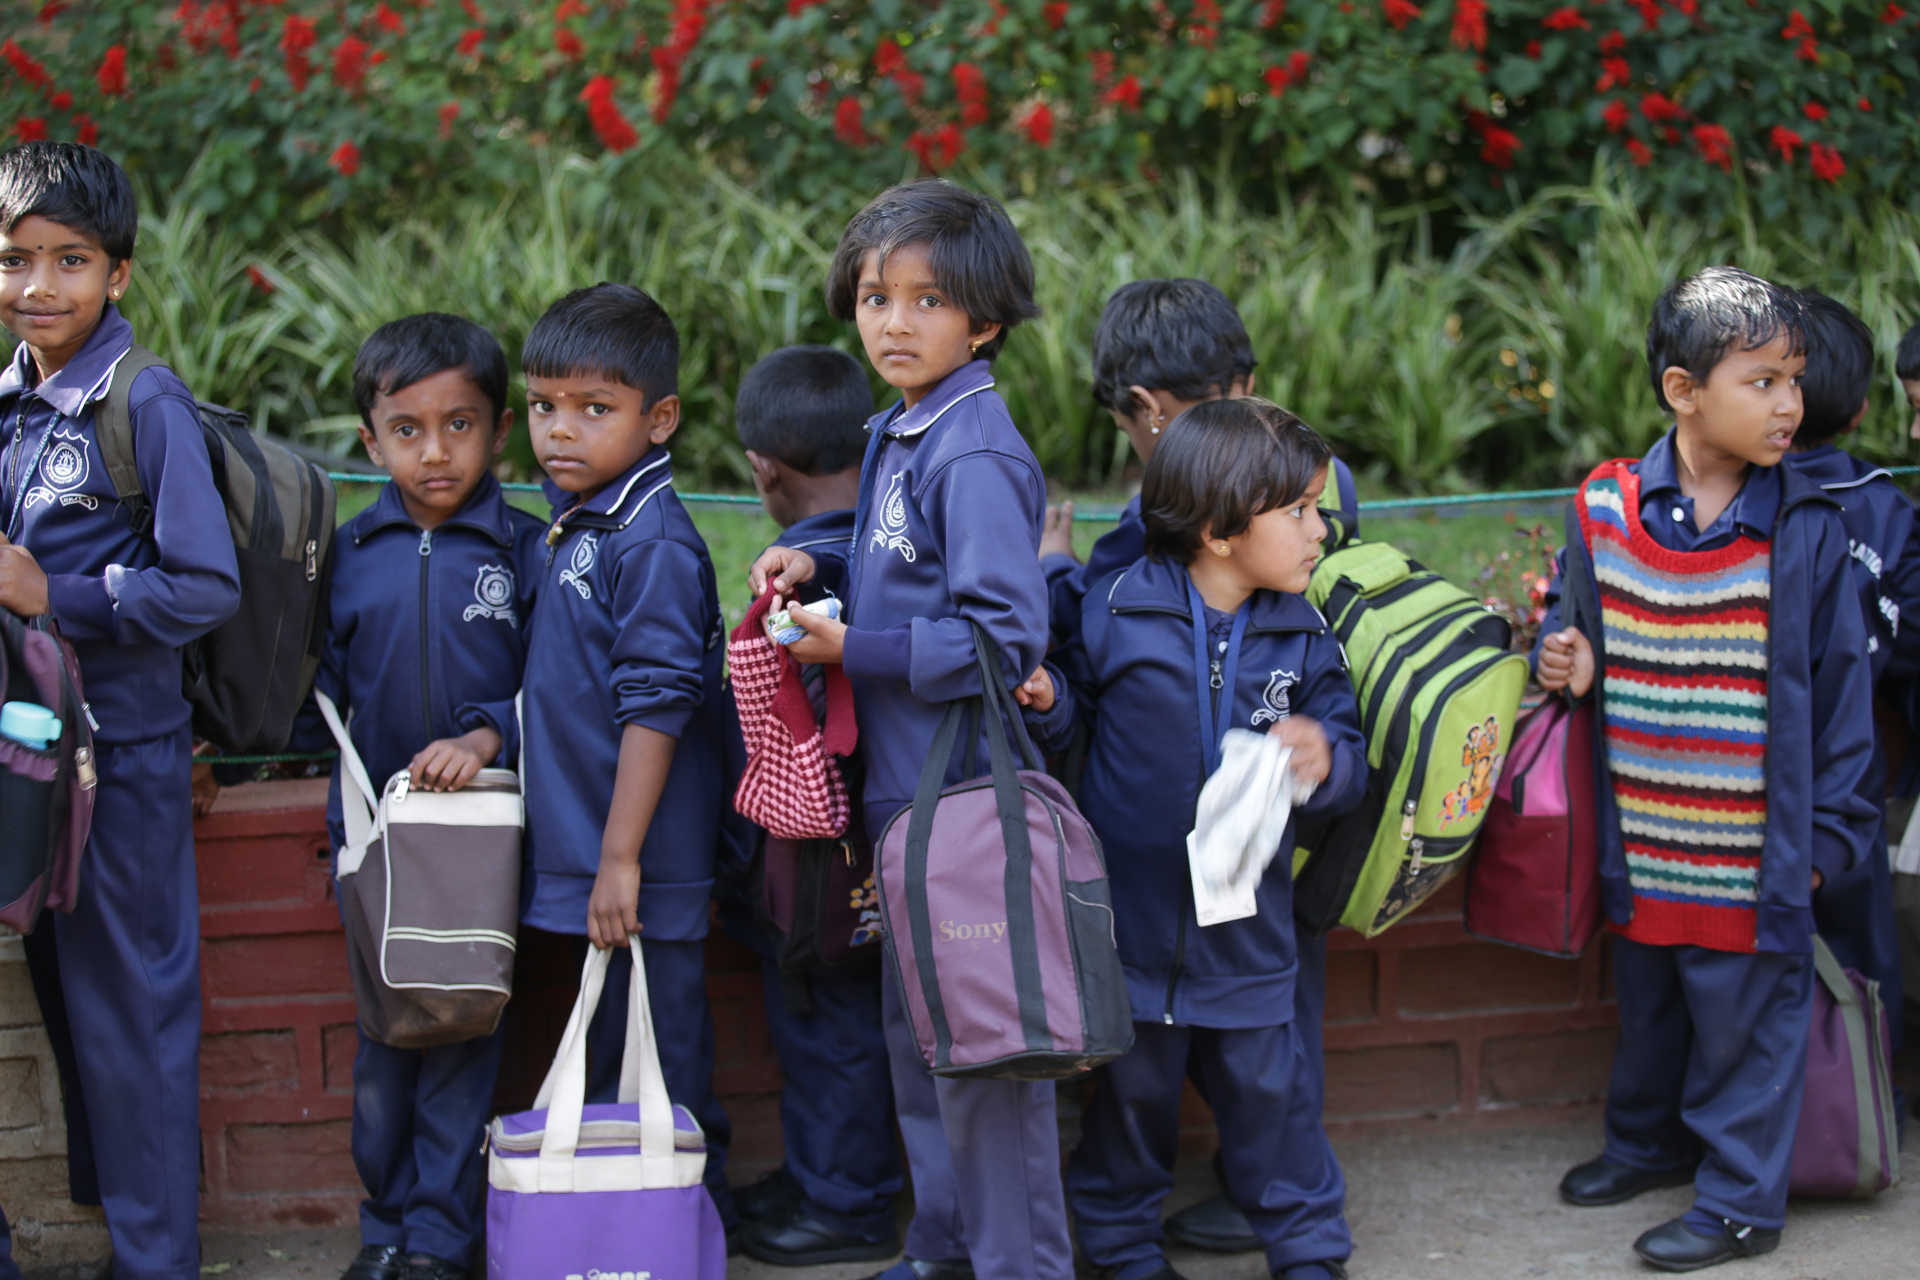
[[625, 729], [951, 501], [800, 415], [1906, 367], [1725, 645], [1853, 911], [119, 979], [426, 621], [1206, 632]]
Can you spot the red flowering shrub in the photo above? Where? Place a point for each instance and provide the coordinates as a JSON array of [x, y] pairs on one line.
[[345, 159]]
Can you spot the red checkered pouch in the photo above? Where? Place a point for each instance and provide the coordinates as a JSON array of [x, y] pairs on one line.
[[793, 785]]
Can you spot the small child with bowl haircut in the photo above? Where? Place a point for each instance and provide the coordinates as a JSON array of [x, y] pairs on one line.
[[1722, 636], [951, 500], [427, 614], [1207, 631], [801, 415], [625, 726], [118, 979]]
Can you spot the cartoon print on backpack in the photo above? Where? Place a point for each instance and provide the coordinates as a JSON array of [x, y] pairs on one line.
[[866, 902], [64, 469], [1274, 698], [493, 595], [1482, 757], [892, 533], [575, 574]]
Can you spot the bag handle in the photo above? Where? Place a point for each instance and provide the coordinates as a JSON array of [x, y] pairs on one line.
[[359, 801], [1853, 1017], [563, 1094]]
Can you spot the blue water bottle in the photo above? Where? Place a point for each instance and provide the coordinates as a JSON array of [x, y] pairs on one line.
[[29, 724]]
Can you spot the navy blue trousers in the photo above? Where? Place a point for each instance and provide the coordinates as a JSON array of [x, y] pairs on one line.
[[683, 1028], [985, 1160], [1854, 913], [1267, 1088], [119, 988], [418, 1119], [9, 1269], [1710, 1065]]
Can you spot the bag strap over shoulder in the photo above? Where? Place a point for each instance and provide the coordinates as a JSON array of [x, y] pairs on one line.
[[113, 432], [359, 802]]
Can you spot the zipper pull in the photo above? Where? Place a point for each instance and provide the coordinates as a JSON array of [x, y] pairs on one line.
[[1168, 1018], [1214, 681], [83, 766], [400, 785], [1418, 847], [87, 710], [313, 559], [847, 849], [426, 542], [1407, 812]]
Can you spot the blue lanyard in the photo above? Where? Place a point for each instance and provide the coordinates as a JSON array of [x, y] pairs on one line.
[[18, 476], [1210, 734]]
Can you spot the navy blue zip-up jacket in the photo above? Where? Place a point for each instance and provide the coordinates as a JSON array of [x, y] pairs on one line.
[[951, 503], [628, 632], [827, 536], [1131, 676], [1879, 521], [127, 601], [1819, 694], [422, 626]]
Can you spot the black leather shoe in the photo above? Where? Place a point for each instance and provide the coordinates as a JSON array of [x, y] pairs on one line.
[[375, 1262], [424, 1266], [1214, 1224], [770, 1199], [803, 1240], [921, 1269], [1166, 1272], [1601, 1181], [1675, 1246], [1313, 1271]]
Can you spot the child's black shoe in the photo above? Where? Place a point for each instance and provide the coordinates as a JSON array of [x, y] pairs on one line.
[[424, 1266], [1215, 1224], [801, 1239], [1675, 1246], [375, 1262], [770, 1198], [1601, 1181]]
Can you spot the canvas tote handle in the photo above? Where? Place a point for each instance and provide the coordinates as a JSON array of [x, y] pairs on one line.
[[1863, 1049], [358, 802]]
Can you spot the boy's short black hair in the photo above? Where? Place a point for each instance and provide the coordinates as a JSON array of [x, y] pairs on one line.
[[805, 406], [408, 350], [1906, 359], [72, 185], [979, 260], [1839, 367], [1182, 336], [611, 330], [1219, 465], [1698, 321]]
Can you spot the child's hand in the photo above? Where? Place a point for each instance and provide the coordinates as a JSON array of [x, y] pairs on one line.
[[451, 763], [826, 639], [1566, 662], [1056, 535], [1036, 691], [613, 909], [23, 583], [1312, 754], [206, 790], [784, 567], [1819, 879]]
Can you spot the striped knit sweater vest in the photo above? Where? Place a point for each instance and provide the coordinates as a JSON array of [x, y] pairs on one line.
[[1684, 707]]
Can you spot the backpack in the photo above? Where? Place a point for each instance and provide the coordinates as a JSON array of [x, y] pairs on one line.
[[46, 796], [1439, 690], [1848, 1139], [247, 678]]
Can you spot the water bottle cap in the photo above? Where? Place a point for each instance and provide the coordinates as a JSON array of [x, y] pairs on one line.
[[30, 724]]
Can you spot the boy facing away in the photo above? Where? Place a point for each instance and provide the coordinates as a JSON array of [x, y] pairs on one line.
[[119, 979], [625, 727], [1714, 617], [431, 594]]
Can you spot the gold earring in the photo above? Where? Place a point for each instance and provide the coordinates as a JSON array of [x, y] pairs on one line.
[[975, 348], [1221, 548]]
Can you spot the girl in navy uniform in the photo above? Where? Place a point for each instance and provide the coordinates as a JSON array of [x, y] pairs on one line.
[[1206, 632], [951, 501]]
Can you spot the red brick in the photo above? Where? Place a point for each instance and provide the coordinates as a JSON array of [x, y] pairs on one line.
[[266, 1158], [275, 968], [1566, 1066], [1394, 1080], [281, 870], [1484, 975], [338, 1044], [243, 1063], [1353, 986]]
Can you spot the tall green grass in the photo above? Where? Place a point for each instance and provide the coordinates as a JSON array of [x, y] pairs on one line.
[[1515, 357]]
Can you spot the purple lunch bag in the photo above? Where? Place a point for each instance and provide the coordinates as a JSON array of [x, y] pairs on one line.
[[1848, 1143], [997, 913], [46, 797]]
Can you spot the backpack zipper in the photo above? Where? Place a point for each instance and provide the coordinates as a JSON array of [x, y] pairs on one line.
[[426, 666]]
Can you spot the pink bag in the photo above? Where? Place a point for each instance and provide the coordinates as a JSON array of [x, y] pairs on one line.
[[46, 797], [793, 784]]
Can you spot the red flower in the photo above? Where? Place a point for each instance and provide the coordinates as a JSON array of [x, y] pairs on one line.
[[470, 42], [1798, 29], [938, 149], [1533, 49], [1657, 107], [890, 60], [1204, 24], [1612, 42], [30, 128], [571, 9], [61, 100], [25, 65], [1892, 14], [1399, 12], [1814, 111], [566, 44], [1297, 64], [85, 130], [1039, 125], [1825, 162], [1650, 12], [345, 159], [377, 57], [847, 124], [1470, 24], [797, 7], [1271, 12], [615, 131], [1616, 113], [449, 112], [253, 85], [689, 21], [1277, 80], [350, 64], [1566, 18], [112, 74], [259, 280], [1498, 145], [216, 22], [1864, 105], [297, 36], [472, 10], [1614, 72], [1055, 13], [49, 10], [970, 86], [1638, 153], [387, 20], [1785, 141], [1715, 146], [1102, 62], [1127, 92]]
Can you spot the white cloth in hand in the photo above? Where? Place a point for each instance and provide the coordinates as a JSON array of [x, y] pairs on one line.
[[1239, 822]]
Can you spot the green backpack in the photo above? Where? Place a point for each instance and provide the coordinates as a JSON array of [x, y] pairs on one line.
[[1439, 690]]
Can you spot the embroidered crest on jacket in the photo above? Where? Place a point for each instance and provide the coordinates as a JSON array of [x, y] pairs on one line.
[[64, 469], [892, 533], [575, 574], [1275, 704], [492, 595]]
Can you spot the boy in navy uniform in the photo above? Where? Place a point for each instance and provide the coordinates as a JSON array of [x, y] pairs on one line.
[[427, 620], [626, 730], [1720, 628], [799, 415], [119, 978]]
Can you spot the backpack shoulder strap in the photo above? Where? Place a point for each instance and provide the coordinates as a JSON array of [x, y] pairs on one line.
[[113, 431]]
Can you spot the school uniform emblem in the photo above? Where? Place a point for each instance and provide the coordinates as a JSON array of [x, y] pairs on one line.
[[892, 533], [1275, 703], [492, 595], [575, 574], [63, 470]]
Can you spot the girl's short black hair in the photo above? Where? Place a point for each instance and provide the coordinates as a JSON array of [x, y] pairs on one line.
[[72, 185], [1906, 359], [1182, 336], [1839, 367], [611, 331], [1220, 464], [414, 348], [807, 407], [1700, 320], [978, 259]]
